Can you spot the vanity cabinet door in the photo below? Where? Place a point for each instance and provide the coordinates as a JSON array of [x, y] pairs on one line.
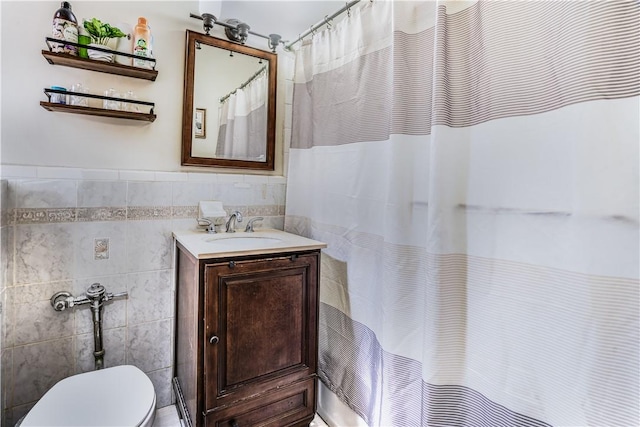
[[260, 326]]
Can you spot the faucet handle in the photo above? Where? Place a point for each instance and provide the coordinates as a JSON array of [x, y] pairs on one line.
[[203, 221], [111, 296], [210, 227], [249, 227]]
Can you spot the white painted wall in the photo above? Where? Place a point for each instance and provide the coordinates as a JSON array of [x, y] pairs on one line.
[[32, 136]]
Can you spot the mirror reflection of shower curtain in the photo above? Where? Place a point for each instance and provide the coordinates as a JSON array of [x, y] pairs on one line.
[[243, 122]]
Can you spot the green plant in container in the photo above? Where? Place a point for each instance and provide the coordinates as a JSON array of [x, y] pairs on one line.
[[103, 35], [100, 32]]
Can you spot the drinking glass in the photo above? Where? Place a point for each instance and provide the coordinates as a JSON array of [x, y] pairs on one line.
[[80, 101], [109, 104], [128, 106]]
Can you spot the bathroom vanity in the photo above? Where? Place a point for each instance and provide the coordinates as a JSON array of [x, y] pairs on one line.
[[246, 328]]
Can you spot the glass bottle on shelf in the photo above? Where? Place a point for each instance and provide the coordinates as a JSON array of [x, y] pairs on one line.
[[65, 27]]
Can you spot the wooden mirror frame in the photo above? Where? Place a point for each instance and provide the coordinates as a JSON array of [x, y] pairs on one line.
[[188, 107]]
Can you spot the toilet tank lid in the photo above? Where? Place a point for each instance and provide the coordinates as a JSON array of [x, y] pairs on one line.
[[118, 396]]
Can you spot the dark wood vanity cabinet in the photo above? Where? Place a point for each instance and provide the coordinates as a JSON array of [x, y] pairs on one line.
[[246, 339]]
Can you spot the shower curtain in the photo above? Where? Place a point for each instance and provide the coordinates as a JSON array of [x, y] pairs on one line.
[[473, 168], [243, 122]]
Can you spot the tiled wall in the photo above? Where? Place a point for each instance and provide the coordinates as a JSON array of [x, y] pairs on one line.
[[54, 232], [4, 273]]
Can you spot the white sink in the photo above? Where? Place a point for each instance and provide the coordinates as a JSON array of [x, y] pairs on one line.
[[240, 241], [262, 241]]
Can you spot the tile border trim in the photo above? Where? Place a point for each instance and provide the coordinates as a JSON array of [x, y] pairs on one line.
[[24, 216]]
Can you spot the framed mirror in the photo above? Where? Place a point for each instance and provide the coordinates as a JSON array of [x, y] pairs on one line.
[[229, 107]]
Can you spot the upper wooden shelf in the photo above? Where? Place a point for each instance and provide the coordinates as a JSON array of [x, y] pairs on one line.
[[100, 66]]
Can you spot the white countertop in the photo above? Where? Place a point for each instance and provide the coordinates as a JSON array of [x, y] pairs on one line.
[[203, 245]]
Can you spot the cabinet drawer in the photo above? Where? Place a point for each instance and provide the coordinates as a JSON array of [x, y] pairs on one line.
[[293, 405]]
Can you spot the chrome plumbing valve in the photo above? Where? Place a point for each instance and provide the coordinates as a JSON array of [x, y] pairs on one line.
[[96, 296], [96, 293]]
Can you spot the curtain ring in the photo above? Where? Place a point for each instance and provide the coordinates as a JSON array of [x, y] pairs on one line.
[[328, 21], [348, 10], [313, 30]]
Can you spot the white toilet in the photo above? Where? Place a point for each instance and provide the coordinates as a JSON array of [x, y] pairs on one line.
[[119, 396]]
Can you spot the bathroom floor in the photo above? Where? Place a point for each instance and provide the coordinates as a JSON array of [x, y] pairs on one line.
[[168, 417]]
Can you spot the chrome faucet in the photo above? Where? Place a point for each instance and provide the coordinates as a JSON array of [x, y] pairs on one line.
[[249, 227], [233, 218]]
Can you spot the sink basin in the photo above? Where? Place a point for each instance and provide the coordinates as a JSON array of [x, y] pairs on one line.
[[262, 241], [242, 241]]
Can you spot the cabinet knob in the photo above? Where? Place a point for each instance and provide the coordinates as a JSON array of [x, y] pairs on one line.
[[214, 339]]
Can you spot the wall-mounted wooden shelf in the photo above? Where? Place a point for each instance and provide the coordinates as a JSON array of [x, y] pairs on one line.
[[90, 111], [100, 66], [103, 67]]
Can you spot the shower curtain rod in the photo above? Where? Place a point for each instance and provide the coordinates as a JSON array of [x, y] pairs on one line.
[[243, 85], [325, 21]]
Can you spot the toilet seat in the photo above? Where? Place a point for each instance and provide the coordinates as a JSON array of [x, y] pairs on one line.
[[119, 396]]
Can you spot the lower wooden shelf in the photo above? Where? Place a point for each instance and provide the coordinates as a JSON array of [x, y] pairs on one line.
[[89, 111]]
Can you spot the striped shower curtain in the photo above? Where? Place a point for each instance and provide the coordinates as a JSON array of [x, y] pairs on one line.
[[474, 169], [243, 122]]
